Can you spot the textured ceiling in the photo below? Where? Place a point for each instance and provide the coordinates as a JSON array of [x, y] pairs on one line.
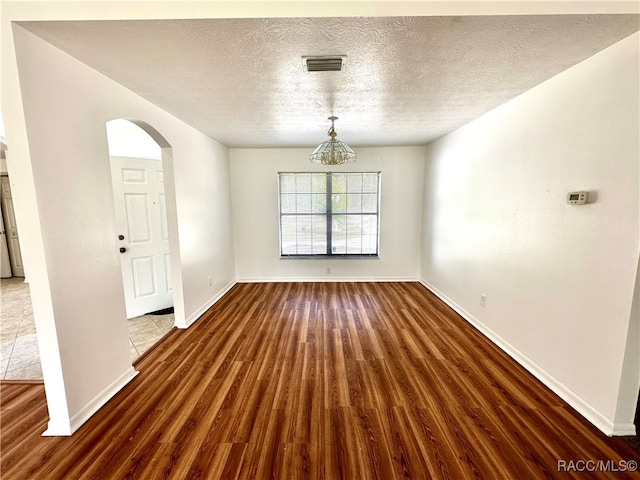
[[407, 81]]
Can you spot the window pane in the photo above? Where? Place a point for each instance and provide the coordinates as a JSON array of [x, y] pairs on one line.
[[339, 234], [354, 234], [304, 245], [287, 183], [354, 182], [319, 246], [319, 228], [354, 203], [369, 244], [370, 234], [354, 225], [338, 203], [338, 183], [339, 224], [303, 183], [303, 203], [339, 245], [319, 203], [319, 224], [288, 203], [370, 224], [288, 234], [304, 234], [354, 245], [370, 182], [369, 203], [319, 183]]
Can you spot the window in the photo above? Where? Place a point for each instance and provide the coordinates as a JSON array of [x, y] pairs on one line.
[[329, 214]]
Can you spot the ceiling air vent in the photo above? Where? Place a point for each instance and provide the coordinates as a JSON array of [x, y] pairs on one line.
[[330, 63]]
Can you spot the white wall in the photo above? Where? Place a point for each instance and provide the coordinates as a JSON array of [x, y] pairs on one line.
[[3, 132], [628, 396], [254, 184], [65, 203], [559, 279]]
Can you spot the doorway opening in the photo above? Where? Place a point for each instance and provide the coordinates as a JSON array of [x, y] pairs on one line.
[[138, 177], [10, 255], [19, 351]]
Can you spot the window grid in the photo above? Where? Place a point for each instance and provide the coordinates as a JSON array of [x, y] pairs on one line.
[[329, 214]]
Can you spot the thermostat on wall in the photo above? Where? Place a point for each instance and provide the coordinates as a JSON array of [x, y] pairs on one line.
[[577, 198]]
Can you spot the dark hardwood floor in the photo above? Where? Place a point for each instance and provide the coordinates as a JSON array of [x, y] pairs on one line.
[[321, 381]]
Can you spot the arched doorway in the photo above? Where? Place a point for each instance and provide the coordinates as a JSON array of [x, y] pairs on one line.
[[137, 170]]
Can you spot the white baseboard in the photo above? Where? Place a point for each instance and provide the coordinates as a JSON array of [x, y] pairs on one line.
[[57, 429], [623, 429], [601, 422], [75, 422], [327, 278], [206, 306]]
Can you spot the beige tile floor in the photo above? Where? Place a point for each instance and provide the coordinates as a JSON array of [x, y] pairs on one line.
[[19, 355]]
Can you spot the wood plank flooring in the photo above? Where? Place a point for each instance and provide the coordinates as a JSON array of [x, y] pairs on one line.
[[318, 381]]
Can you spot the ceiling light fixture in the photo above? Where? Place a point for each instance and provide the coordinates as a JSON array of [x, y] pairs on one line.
[[333, 152]]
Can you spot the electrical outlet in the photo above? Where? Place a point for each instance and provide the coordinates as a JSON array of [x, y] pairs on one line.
[[210, 282], [483, 299], [328, 270]]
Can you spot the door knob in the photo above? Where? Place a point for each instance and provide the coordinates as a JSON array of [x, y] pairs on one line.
[[120, 237], [122, 249]]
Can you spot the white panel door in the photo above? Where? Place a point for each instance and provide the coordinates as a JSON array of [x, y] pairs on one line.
[[5, 265], [11, 229], [138, 189]]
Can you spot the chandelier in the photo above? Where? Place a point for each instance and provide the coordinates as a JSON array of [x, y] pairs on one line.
[[333, 152]]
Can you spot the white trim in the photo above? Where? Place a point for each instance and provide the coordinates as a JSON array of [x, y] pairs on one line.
[[600, 421], [328, 279], [63, 429], [92, 407], [207, 305], [623, 429]]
